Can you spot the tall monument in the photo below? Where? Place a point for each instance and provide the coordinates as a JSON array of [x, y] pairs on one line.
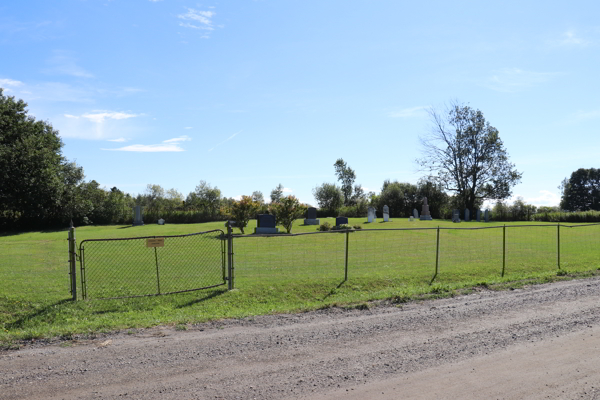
[[425, 214]]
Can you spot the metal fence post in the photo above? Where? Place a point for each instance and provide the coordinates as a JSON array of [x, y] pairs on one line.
[[346, 263], [73, 262], [437, 255], [230, 283], [503, 248], [558, 244]]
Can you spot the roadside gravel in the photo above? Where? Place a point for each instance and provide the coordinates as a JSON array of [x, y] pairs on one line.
[[333, 352]]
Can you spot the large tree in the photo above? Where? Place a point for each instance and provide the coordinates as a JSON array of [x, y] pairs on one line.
[[329, 197], [581, 192], [346, 176], [34, 175], [465, 154]]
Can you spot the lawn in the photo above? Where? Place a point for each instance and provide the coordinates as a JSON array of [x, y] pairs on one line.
[[272, 274]]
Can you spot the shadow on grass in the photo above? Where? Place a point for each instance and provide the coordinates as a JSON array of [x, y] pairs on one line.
[[333, 291], [200, 300], [19, 323], [24, 231]]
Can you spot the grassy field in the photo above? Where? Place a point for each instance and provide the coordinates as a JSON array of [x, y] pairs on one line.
[[273, 275]]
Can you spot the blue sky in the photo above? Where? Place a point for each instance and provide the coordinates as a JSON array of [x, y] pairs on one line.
[[249, 94]]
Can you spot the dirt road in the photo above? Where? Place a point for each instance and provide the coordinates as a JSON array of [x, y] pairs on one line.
[[538, 342]]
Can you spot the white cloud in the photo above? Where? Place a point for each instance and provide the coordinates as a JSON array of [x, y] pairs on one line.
[[187, 127], [118, 140], [408, 112], [546, 198], [514, 79], [10, 82], [569, 38], [183, 138], [63, 63], [224, 141], [201, 20], [99, 116], [286, 190], [150, 148], [238, 197]]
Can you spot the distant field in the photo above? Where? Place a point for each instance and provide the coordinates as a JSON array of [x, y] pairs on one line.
[[275, 274]]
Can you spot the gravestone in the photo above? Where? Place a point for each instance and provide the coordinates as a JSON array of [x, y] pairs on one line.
[[386, 213], [341, 221], [478, 215], [371, 216], [455, 216], [411, 218], [265, 223], [487, 215], [425, 214], [161, 221], [230, 224], [137, 216], [467, 215], [311, 217], [415, 213]]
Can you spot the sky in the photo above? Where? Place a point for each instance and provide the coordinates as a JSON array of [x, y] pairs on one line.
[[249, 94]]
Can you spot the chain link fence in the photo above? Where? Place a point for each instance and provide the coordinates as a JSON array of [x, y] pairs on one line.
[[130, 267], [415, 255], [147, 266]]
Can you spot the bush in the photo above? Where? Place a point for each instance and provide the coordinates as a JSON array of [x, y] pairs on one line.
[[577, 216], [242, 211], [342, 227], [288, 209], [357, 226], [325, 226]]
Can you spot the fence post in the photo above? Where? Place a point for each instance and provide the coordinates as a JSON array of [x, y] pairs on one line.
[[157, 273], [230, 283], [73, 262], [346, 263], [503, 248], [558, 244], [437, 255]]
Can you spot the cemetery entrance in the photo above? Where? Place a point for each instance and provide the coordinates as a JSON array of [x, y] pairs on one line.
[[154, 265]]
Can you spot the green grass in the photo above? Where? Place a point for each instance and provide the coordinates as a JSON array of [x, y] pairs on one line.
[[273, 275]]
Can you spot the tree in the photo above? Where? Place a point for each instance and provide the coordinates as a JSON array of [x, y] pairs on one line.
[[33, 172], [581, 192], [288, 209], [206, 198], [276, 193], [466, 155], [346, 176], [329, 197], [242, 211], [258, 197]]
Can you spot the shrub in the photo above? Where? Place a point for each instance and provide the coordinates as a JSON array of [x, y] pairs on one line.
[[357, 227], [342, 227], [325, 226], [242, 211], [288, 209]]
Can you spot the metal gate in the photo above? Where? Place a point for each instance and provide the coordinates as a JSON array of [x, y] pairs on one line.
[[152, 265]]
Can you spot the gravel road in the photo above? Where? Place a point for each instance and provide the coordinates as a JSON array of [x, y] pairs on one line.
[[537, 342]]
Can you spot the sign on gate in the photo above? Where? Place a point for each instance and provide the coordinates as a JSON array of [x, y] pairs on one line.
[[156, 242]]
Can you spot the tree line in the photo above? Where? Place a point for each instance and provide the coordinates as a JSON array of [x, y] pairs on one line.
[[463, 158]]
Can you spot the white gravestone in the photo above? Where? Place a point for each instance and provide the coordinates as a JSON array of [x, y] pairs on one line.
[[371, 216], [386, 213]]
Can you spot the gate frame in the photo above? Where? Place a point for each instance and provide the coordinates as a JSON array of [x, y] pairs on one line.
[[222, 237]]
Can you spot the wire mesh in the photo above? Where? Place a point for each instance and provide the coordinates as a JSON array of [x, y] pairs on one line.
[[470, 253], [403, 256], [128, 268], [530, 249], [282, 258], [579, 246]]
